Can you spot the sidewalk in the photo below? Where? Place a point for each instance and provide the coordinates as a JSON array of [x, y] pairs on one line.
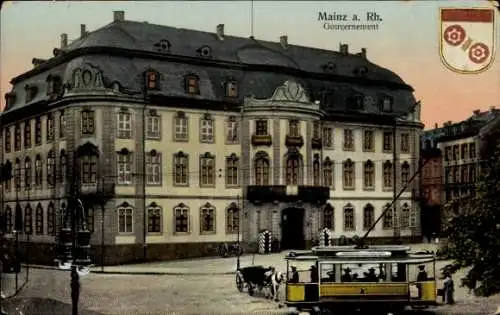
[[8, 283], [214, 266]]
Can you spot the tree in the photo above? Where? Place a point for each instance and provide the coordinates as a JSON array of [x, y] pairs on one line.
[[473, 235]]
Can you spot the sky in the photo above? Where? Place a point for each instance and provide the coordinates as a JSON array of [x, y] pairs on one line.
[[407, 40]]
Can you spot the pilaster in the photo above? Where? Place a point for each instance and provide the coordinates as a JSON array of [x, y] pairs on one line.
[[276, 166]]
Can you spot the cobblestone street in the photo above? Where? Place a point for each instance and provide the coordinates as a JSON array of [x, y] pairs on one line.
[[147, 294]]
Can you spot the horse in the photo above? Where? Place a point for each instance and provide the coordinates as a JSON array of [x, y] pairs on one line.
[[274, 279]]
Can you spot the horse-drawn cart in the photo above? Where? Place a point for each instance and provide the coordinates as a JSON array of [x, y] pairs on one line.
[[251, 278]]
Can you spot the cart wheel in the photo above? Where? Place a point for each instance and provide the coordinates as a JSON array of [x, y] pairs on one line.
[[239, 281]]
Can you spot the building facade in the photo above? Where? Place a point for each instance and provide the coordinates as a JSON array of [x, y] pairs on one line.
[[462, 161], [182, 140]]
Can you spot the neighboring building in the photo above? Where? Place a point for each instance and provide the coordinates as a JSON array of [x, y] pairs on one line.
[[461, 160], [200, 132], [431, 187]]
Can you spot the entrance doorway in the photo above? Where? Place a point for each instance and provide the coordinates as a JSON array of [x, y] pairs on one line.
[[292, 228]]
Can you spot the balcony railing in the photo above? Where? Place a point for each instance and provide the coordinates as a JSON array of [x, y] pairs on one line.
[[309, 194], [262, 140], [294, 141]]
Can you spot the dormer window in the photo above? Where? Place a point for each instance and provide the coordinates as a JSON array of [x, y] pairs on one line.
[[330, 67], [386, 103], [53, 85], [162, 46], [231, 89], [361, 71], [205, 51], [30, 92], [10, 99], [152, 80], [355, 101], [192, 84]]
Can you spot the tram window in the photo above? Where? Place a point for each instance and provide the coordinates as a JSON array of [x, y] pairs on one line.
[[398, 272], [327, 272], [363, 272]]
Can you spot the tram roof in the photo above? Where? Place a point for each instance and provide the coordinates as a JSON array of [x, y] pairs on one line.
[[362, 259], [353, 248]]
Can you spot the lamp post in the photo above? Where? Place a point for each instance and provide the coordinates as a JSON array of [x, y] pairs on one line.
[[240, 214]]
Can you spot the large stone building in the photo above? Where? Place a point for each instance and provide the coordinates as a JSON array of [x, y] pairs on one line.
[[199, 133], [461, 145]]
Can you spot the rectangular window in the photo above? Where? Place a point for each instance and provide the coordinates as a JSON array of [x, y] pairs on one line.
[[7, 139], [293, 128], [349, 219], [465, 151], [153, 168], [405, 143], [124, 169], [153, 127], [328, 137], [181, 170], [154, 220], [27, 133], [89, 169], [261, 127], [387, 141], [368, 141], [348, 140], [38, 131], [232, 171], [181, 220], [181, 129], [207, 171], [87, 122], [207, 131], [124, 126], [232, 132], [125, 220], [17, 137], [50, 128]]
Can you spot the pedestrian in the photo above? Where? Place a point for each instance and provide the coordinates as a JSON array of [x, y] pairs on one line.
[[449, 289]]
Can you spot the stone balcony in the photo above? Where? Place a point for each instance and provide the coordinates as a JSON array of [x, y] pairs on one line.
[[294, 141], [262, 140]]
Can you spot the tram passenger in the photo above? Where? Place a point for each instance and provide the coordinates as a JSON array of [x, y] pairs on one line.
[[346, 277], [371, 276], [295, 275], [314, 274]]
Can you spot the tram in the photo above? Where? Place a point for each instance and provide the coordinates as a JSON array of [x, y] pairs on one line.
[[381, 278]]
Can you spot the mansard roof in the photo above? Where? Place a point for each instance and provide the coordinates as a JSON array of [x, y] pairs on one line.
[[123, 50]]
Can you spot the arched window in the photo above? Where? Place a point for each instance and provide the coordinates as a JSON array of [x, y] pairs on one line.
[[387, 223], [368, 216], [328, 217], [387, 174], [51, 219], [349, 223], [328, 172], [349, 174], [51, 168], [39, 220], [369, 175], [316, 171], [27, 172], [293, 170], [63, 162], [17, 174], [207, 219], [28, 220], [261, 169], [405, 173], [233, 219], [38, 171]]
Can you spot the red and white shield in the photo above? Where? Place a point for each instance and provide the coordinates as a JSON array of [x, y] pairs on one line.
[[467, 42]]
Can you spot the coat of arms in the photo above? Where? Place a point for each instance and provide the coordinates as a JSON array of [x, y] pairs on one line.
[[467, 40]]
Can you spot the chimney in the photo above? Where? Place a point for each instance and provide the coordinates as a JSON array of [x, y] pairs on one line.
[[492, 108], [344, 49], [64, 40], [436, 126], [363, 52], [284, 41], [220, 31], [83, 30], [476, 112], [118, 16]]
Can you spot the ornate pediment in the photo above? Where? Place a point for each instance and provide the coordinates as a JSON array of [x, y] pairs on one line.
[[291, 91], [87, 77]]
